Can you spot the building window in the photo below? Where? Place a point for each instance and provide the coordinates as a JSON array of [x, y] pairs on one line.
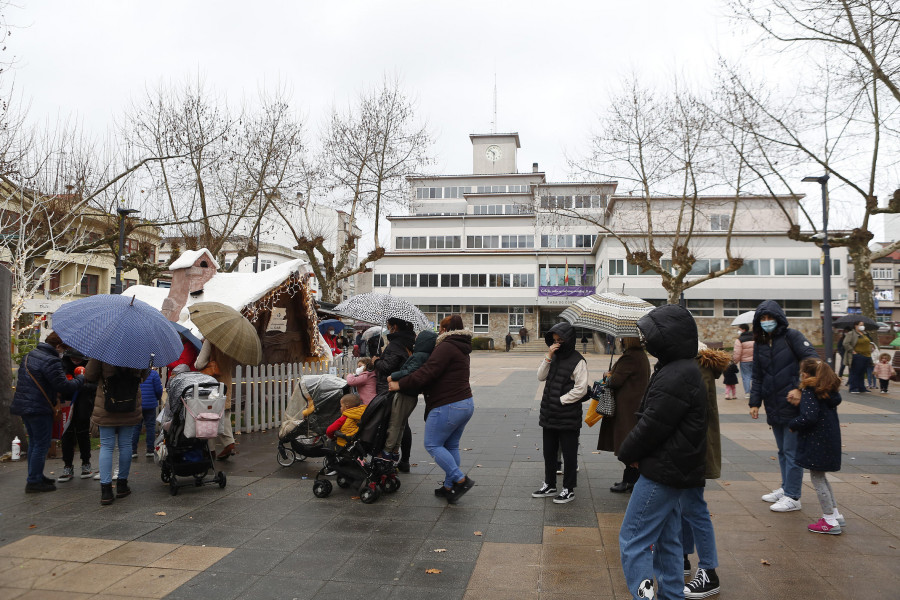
[[127, 283], [701, 308], [428, 280], [483, 241], [403, 280], [450, 280], [523, 280], [835, 266], [882, 273], [474, 280], [517, 241], [555, 275], [616, 266], [55, 282], [481, 319], [90, 285], [264, 265], [735, 307], [719, 222], [411, 243], [797, 308], [443, 241], [797, 266], [634, 269], [750, 267], [380, 280], [516, 318]]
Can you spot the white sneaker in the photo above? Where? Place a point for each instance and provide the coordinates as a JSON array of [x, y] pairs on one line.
[[775, 496], [785, 504]]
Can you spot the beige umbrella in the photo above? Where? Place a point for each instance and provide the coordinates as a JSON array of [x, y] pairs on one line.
[[228, 330]]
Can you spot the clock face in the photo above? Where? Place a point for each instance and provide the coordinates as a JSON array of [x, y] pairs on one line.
[[493, 153]]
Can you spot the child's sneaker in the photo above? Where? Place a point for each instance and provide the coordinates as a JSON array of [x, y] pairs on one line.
[[545, 491], [822, 526], [87, 471], [840, 519], [786, 504], [67, 474], [566, 495], [705, 583], [774, 496]]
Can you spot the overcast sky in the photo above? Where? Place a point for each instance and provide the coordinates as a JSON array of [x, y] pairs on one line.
[[555, 62]]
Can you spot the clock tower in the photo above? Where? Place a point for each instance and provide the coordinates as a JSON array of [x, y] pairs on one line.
[[494, 153]]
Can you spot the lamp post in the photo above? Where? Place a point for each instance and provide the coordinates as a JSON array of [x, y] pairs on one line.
[[123, 212], [827, 334]]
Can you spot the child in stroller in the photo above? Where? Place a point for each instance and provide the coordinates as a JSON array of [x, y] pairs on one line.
[[192, 416], [313, 406]]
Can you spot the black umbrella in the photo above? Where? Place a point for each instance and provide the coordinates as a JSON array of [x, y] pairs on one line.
[[850, 321]]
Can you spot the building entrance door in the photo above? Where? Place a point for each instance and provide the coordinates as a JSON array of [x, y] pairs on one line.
[[548, 318]]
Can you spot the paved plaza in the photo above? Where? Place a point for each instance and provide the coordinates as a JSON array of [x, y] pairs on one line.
[[265, 536]]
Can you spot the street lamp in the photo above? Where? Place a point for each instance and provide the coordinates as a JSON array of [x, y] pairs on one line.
[[123, 212], [826, 270]]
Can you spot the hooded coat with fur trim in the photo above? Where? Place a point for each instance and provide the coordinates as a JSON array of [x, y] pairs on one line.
[[669, 440], [776, 364], [400, 345], [444, 378], [712, 364]]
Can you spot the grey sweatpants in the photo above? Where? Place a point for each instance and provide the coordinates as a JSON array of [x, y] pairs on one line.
[[823, 491]]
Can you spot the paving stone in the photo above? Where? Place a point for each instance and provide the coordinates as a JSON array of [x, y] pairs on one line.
[[191, 558], [254, 561], [222, 586], [136, 554], [273, 587]]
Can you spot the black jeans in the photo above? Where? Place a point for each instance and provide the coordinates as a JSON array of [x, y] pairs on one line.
[[567, 440], [79, 430], [884, 384], [406, 444], [630, 475]]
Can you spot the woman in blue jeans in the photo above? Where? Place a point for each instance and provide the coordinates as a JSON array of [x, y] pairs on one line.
[[41, 379], [449, 405]]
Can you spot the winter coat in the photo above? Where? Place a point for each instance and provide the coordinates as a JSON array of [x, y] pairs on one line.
[[96, 371], [730, 374], [188, 356], [88, 389], [400, 345], [776, 364], [422, 349], [566, 386], [347, 423], [819, 432], [712, 363], [364, 384], [849, 345], [45, 365], [669, 440], [444, 378], [883, 370], [628, 380], [151, 391], [743, 348]]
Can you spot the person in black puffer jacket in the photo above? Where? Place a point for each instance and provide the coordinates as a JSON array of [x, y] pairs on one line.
[[777, 353], [566, 375], [401, 339], [668, 446]]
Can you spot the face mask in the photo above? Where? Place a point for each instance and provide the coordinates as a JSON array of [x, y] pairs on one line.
[[862, 328], [359, 370], [768, 326], [331, 332]]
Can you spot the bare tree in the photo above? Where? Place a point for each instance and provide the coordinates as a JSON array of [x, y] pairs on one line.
[[235, 162], [367, 152], [843, 119], [665, 148]]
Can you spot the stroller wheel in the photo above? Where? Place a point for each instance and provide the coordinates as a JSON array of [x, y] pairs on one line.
[[369, 495], [221, 479], [198, 480], [165, 475], [322, 488], [285, 456], [173, 486], [391, 485], [343, 481]]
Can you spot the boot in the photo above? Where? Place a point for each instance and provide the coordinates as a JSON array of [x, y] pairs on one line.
[[122, 488], [106, 494], [226, 452]]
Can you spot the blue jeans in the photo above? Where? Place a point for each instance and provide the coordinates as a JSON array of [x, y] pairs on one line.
[[870, 374], [650, 540], [443, 428], [39, 428], [791, 473], [150, 426], [859, 365], [108, 438], [696, 525], [747, 375]]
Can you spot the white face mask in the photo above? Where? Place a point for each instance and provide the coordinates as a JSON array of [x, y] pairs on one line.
[[331, 332], [861, 328], [359, 370]]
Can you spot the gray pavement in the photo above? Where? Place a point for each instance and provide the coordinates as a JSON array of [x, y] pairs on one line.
[[266, 536]]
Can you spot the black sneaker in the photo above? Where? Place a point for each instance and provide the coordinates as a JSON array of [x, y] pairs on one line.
[[545, 492], [403, 467], [43, 486], [687, 566], [566, 495], [459, 488], [441, 492], [704, 584]]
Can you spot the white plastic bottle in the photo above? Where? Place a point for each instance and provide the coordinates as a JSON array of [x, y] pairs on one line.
[[16, 449]]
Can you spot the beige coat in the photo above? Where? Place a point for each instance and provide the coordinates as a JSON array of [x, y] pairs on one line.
[[95, 371]]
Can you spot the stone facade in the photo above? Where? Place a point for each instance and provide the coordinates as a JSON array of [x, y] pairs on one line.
[[720, 330]]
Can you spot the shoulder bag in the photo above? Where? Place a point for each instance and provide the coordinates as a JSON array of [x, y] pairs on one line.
[[54, 408]]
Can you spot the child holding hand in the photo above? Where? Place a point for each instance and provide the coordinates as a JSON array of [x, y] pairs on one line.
[[819, 436]]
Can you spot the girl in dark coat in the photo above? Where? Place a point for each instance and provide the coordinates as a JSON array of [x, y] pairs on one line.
[[628, 379], [819, 432]]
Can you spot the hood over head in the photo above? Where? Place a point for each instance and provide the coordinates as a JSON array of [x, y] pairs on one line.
[[461, 338], [406, 337], [669, 333], [772, 308], [425, 341], [567, 333]]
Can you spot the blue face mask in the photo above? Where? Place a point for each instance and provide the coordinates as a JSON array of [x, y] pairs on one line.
[[768, 326]]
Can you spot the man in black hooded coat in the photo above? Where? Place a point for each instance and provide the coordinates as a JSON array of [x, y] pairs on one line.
[[668, 446]]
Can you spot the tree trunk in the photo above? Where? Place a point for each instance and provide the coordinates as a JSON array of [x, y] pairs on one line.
[[862, 272], [10, 426]]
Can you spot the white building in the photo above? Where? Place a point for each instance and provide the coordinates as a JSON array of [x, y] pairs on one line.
[[492, 238]]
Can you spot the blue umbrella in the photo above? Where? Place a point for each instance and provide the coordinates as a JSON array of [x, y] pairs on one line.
[[119, 330], [329, 324], [186, 333]]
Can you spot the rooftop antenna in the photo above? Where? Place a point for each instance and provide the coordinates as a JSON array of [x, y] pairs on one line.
[[494, 121]]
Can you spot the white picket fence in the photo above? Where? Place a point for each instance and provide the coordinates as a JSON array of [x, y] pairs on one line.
[[261, 393]]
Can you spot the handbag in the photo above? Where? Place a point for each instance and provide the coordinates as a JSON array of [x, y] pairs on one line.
[[605, 397], [56, 409]]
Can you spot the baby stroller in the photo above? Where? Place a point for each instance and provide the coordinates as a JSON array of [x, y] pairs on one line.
[[314, 405], [192, 416], [350, 461]]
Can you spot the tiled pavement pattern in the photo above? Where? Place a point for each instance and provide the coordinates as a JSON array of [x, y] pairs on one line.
[[497, 543]]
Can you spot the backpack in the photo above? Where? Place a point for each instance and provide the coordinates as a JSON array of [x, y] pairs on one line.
[[121, 391]]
